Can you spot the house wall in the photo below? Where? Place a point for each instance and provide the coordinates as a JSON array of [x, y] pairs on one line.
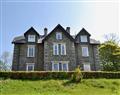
[[96, 57], [44, 53], [20, 57], [48, 52], [15, 61], [92, 59]]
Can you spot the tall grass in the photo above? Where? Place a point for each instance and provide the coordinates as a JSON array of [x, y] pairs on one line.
[[60, 87]]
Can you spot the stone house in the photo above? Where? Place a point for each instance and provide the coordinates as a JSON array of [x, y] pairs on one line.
[[56, 51]]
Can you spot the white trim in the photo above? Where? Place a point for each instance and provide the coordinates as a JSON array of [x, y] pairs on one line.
[[66, 65], [83, 38], [31, 38], [53, 69], [63, 45], [30, 64], [28, 50], [87, 67], [54, 48], [57, 62], [86, 53], [58, 35]]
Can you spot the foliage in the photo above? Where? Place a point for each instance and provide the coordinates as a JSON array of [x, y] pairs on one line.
[[57, 87], [109, 53], [112, 37], [5, 61], [77, 75], [58, 75], [1, 65]]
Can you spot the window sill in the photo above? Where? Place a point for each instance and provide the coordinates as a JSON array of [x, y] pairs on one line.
[[59, 55], [85, 56], [30, 57]]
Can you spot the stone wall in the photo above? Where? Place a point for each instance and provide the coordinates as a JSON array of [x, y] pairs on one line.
[[92, 59], [48, 52], [20, 57]]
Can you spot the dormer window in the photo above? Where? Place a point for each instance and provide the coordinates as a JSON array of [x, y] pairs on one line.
[[83, 38], [31, 38], [58, 35]]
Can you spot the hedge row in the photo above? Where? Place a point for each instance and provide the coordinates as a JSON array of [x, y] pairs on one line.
[[57, 75]]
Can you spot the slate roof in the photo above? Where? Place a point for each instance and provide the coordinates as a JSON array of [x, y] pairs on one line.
[[83, 30], [93, 41], [31, 29], [63, 30], [21, 39]]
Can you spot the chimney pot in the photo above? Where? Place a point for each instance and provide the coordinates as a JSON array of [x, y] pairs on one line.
[[45, 31], [68, 29]]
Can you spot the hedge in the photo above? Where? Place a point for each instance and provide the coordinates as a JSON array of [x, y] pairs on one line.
[[57, 75]]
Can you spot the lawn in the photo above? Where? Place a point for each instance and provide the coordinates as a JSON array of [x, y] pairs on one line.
[[60, 87]]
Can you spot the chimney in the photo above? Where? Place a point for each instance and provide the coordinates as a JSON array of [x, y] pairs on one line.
[[68, 29], [45, 31]]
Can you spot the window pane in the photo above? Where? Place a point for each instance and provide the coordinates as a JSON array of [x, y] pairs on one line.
[[60, 66], [64, 67], [87, 67], [31, 38], [31, 50], [55, 49], [83, 38], [58, 35], [63, 49], [55, 67], [30, 68], [85, 51]]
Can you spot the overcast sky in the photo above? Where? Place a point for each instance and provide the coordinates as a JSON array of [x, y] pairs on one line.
[[98, 17]]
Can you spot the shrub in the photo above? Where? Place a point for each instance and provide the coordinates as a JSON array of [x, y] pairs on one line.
[[77, 75]]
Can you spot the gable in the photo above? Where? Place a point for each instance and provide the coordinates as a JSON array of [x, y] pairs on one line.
[[59, 28], [31, 31], [83, 32]]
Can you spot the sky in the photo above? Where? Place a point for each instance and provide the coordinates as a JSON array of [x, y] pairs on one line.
[[98, 17]]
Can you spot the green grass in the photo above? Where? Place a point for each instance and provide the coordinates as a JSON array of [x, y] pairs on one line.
[[60, 87]]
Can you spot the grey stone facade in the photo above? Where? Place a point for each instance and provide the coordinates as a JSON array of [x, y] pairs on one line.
[[44, 50], [48, 51]]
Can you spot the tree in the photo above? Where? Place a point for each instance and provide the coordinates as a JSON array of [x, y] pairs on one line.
[[5, 61], [1, 65], [109, 52], [112, 37]]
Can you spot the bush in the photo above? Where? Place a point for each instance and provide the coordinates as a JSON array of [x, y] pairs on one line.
[[77, 75], [59, 75]]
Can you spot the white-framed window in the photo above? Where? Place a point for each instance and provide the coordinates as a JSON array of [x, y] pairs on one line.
[[55, 49], [30, 67], [86, 67], [83, 38], [55, 66], [58, 35], [59, 48], [31, 51], [65, 66], [31, 38], [85, 51], [59, 66], [63, 49]]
